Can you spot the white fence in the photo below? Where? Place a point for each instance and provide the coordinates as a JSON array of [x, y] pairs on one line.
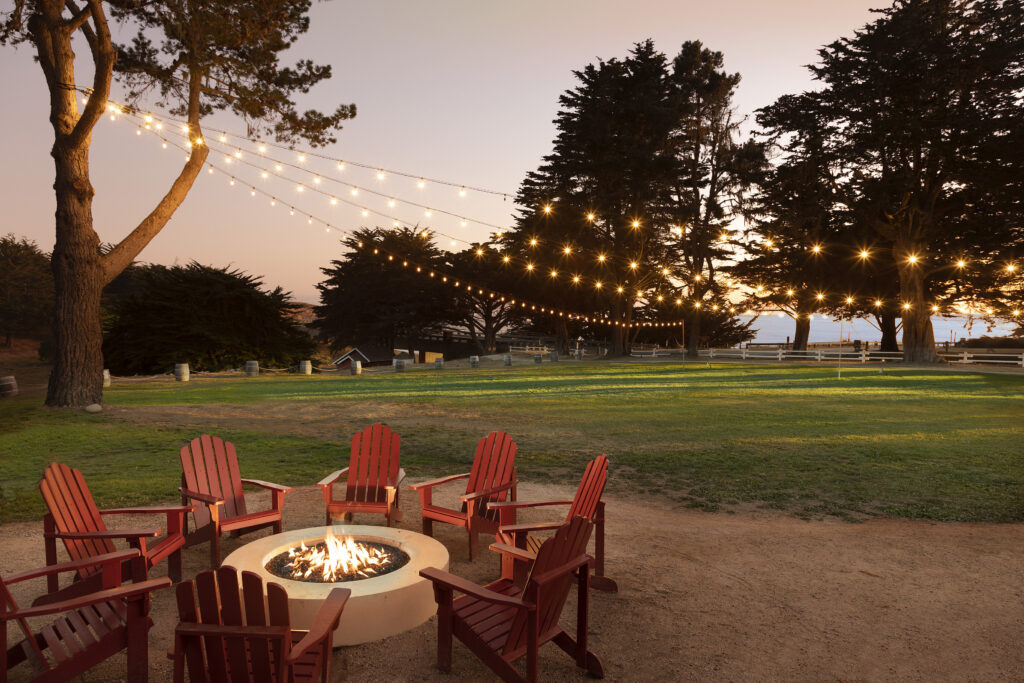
[[965, 357]]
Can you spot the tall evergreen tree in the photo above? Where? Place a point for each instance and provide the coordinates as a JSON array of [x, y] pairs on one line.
[[917, 131], [26, 290]]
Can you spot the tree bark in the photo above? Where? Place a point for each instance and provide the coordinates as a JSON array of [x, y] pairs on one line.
[[918, 336], [802, 333], [693, 335], [887, 324]]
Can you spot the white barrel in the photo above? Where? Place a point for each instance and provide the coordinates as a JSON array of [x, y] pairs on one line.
[[355, 367], [537, 358], [106, 377], [181, 372], [508, 359], [8, 386], [474, 361], [439, 363], [398, 364], [252, 368], [553, 356], [305, 367]]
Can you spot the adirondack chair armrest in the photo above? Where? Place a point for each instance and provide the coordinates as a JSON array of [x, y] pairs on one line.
[[124, 592], [267, 485], [397, 481], [118, 557], [487, 492], [324, 622], [201, 497], [461, 585], [168, 509], [108, 533], [514, 552], [517, 504], [529, 526], [438, 482], [332, 477]]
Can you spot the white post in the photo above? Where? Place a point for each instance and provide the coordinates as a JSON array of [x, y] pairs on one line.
[[743, 354], [780, 354], [839, 364], [712, 352]]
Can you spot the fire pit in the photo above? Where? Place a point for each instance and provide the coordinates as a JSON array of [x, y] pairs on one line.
[[380, 565]]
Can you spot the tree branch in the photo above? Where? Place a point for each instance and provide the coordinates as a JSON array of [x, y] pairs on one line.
[[104, 57]]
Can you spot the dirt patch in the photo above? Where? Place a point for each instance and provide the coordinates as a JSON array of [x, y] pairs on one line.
[[710, 597]]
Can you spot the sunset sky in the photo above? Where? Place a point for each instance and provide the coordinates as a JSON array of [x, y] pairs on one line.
[[461, 91]]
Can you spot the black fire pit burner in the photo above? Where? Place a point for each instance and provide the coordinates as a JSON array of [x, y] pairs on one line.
[[397, 559]]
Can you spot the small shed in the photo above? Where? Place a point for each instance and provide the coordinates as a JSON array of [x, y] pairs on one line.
[[369, 356]]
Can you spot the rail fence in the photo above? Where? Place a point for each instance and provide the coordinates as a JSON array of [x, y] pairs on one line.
[[852, 356]]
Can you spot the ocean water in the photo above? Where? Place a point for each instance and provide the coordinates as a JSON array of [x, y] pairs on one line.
[[774, 329]]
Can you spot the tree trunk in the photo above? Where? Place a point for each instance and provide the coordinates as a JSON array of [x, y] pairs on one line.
[[887, 324], [77, 375], [693, 336], [802, 332], [918, 337]]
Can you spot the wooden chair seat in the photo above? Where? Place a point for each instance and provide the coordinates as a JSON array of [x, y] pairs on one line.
[[373, 477], [502, 621], [87, 629], [79, 524], [211, 479], [236, 628], [492, 479], [586, 503]]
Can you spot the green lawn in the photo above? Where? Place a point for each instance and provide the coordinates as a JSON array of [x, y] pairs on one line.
[[909, 443]]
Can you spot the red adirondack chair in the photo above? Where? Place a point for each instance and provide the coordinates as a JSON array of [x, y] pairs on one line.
[[89, 629], [586, 503], [374, 476], [210, 476], [74, 518], [501, 622], [492, 478], [227, 634]]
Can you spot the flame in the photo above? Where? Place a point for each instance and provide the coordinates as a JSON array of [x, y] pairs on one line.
[[336, 558]]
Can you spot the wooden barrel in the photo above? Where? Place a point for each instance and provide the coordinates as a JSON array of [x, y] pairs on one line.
[[398, 364], [474, 361], [537, 358], [106, 377], [439, 363], [508, 359], [553, 356], [8, 386], [355, 367], [252, 368], [181, 372], [305, 367]]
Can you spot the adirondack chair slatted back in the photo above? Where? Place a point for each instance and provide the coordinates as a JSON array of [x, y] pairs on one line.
[[214, 598], [493, 465], [210, 465], [73, 509], [568, 543], [588, 495], [374, 461]]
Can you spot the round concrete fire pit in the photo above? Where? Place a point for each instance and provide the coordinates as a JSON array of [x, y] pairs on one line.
[[380, 606]]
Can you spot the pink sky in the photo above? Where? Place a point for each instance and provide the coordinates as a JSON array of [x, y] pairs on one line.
[[464, 91]]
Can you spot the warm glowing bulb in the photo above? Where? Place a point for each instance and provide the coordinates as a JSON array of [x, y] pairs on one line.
[[421, 183], [278, 167], [961, 263], [354, 191], [210, 170], [816, 248], [849, 299], [380, 175], [590, 216], [479, 252], [427, 213], [223, 138], [636, 224], [238, 154], [935, 309], [264, 175], [620, 290], [912, 259], [906, 306], [232, 181], [334, 201], [724, 237], [759, 288], [462, 192], [302, 158], [300, 188], [554, 273], [789, 292], [506, 259], [664, 271], [341, 166], [316, 179], [533, 242], [697, 277], [1010, 268], [547, 208], [263, 149], [601, 258], [878, 302], [576, 279], [597, 285], [567, 250], [529, 266], [1016, 312], [661, 298], [864, 253], [820, 297], [365, 213], [633, 265]]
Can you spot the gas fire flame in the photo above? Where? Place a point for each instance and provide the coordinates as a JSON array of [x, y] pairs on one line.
[[337, 558]]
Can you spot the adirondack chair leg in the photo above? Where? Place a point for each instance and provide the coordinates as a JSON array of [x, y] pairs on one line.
[[531, 646], [444, 628], [137, 628], [215, 548], [600, 581], [428, 527], [50, 543], [174, 566]]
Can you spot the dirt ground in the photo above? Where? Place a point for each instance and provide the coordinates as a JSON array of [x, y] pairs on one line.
[[750, 596]]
